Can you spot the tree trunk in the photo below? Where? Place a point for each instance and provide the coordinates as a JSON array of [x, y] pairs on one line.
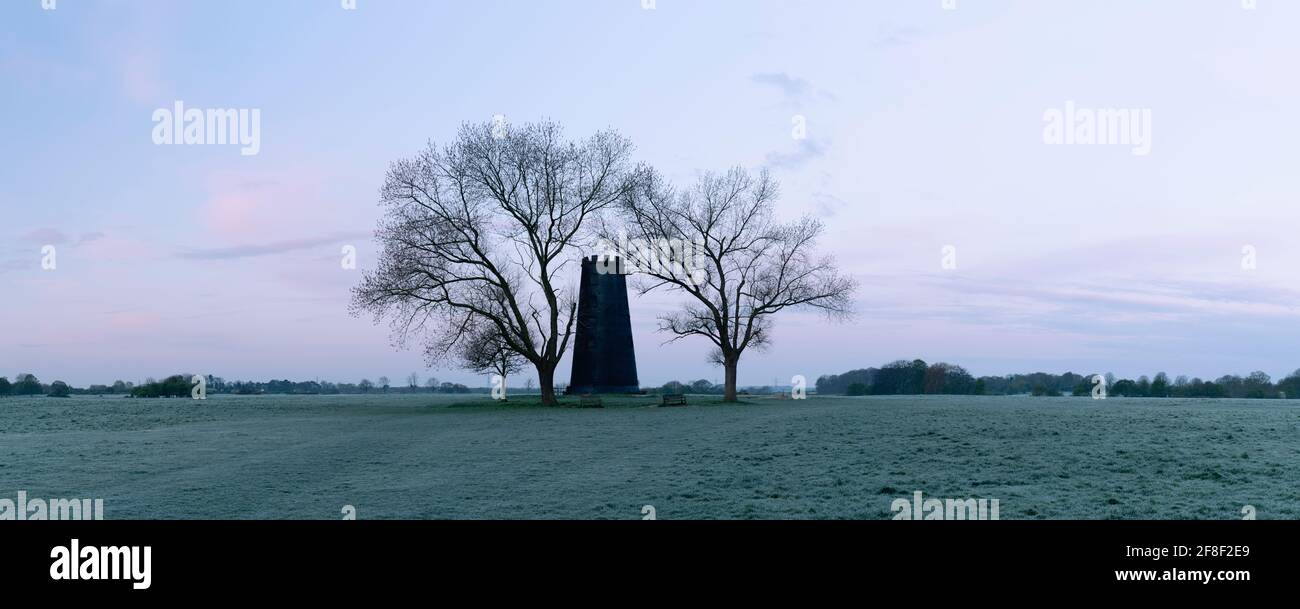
[[546, 378], [730, 366]]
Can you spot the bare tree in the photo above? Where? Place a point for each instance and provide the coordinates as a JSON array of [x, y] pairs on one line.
[[480, 230], [720, 244], [484, 351], [431, 384], [383, 382], [412, 380]]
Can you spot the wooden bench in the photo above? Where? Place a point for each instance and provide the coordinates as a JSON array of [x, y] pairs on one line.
[[671, 399], [589, 401]]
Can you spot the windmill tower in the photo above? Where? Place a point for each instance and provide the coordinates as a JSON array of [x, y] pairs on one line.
[[603, 358]]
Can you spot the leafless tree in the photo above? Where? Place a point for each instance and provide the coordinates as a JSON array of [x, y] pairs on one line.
[[412, 380], [720, 243], [480, 231], [484, 351]]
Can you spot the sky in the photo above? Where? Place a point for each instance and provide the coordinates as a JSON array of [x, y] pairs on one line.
[[922, 146]]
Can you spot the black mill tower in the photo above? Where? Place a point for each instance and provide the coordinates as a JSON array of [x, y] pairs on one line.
[[603, 358]]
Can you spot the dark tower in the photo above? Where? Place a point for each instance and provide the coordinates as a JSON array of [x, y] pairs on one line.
[[603, 359]]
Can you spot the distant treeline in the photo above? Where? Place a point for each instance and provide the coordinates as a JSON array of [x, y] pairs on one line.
[[916, 377], [181, 385], [901, 377], [28, 384], [706, 387], [220, 385]]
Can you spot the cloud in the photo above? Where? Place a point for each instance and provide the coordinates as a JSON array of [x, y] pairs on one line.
[[140, 75], [119, 247], [827, 204], [51, 236], [16, 265], [91, 236], [792, 88], [136, 53], [133, 321], [244, 209], [257, 184], [34, 72], [1097, 305], [267, 249], [789, 85], [889, 37], [806, 150]]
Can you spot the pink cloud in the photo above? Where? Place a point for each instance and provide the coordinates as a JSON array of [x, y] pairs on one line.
[[140, 76], [246, 209], [117, 248], [125, 321], [231, 214], [46, 235]]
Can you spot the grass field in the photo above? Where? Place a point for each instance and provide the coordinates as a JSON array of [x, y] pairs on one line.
[[425, 456]]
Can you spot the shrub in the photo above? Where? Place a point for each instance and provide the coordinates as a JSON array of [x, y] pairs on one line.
[[1042, 390], [172, 386], [58, 389], [27, 384]]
